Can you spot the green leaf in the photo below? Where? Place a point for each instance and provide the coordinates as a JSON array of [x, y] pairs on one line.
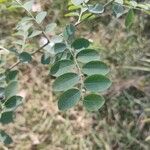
[[65, 82], [2, 77], [50, 27], [133, 4], [72, 7], [72, 14], [93, 102], [80, 43], [2, 92], [25, 57], [87, 55], [77, 2], [13, 102], [35, 33], [129, 19], [69, 32], [45, 60], [40, 16], [5, 138], [88, 15], [97, 83], [59, 47], [96, 9], [95, 67], [68, 99], [118, 10], [11, 75], [119, 1], [61, 67], [7, 117], [11, 89], [28, 5]]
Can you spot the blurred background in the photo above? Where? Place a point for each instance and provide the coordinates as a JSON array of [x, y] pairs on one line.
[[122, 124]]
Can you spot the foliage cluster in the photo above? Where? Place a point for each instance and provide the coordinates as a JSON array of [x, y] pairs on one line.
[[78, 70]]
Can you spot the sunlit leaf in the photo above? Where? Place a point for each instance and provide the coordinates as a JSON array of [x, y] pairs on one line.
[[96, 9], [50, 27], [28, 5], [40, 16], [77, 2]]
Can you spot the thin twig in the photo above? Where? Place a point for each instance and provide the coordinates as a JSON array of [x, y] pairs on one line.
[[18, 62], [79, 22], [43, 32]]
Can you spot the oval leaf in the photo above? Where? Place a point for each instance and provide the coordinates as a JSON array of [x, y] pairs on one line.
[[69, 32], [87, 55], [129, 19], [45, 60], [59, 47], [50, 27], [7, 117], [68, 99], [13, 102], [118, 10], [96, 9], [40, 16], [80, 43], [65, 82], [11, 89], [2, 93], [77, 2], [95, 67], [61, 67], [2, 77], [11, 75], [28, 5], [5, 138], [97, 83], [93, 102], [25, 57]]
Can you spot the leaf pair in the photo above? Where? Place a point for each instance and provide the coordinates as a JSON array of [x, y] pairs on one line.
[[70, 98]]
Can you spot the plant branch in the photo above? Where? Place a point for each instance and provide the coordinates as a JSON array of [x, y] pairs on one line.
[[43, 32], [78, 68], [80, 21], [76, 24], [18, 62]]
